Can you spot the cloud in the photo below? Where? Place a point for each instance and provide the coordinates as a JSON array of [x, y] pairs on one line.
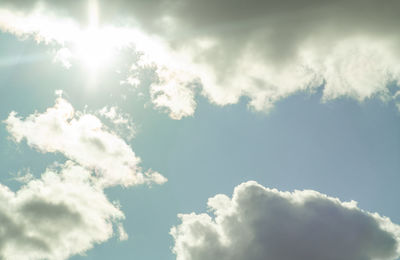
[[269, 50], [261, 223], [262, 50], [66, 212], [174, 91], [61, 214], [39, 24], [82, 138], [122, 122]]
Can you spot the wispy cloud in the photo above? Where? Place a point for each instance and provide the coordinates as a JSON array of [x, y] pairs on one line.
[[122, 122]]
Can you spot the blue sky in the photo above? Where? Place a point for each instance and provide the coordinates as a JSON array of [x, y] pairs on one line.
[[344, 144]]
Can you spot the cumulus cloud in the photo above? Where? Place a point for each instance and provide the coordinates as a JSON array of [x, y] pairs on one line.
[[65, 211], [261, 223], [61, 214], [83, 138], [263, 50]]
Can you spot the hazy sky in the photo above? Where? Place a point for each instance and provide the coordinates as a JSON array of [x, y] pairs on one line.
[[196, 130]]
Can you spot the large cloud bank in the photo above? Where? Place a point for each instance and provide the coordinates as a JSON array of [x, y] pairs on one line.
[[65, 211], [260, 223], [263, 50]]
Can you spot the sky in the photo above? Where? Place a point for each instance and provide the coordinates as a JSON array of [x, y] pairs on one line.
[[195, 130]]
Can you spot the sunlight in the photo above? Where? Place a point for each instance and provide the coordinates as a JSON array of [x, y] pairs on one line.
[[94, 49], [93, 46]]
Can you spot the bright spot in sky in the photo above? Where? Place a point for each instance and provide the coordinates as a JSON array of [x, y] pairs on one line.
[[94, 47]]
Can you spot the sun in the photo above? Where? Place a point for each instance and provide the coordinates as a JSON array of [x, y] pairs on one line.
[[97, 47], [94, 47]]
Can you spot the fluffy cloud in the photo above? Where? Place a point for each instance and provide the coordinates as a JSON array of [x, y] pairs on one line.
[[263, 50], [61, 214], [82, 138], [65, 212], [262, 223]]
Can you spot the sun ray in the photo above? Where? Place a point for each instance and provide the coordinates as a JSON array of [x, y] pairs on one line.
[[93, 13], [93, 47]]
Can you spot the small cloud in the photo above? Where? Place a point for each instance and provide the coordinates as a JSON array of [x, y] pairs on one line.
[[23, 176], [122, 122], [175, 92], [64, 56], [122, 233]]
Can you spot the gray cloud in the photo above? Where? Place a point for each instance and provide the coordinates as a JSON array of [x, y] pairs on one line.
[[263, 50], [58, 215], [261, 223], [205, 17], [65, 212]]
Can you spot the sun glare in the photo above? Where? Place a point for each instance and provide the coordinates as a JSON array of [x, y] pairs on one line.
[[96, 46], [94, 50], [93, 47]]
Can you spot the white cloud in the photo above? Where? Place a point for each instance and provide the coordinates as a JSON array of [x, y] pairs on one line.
[[65, 212], [39, 24], [122, 122], [263, 50], [261, 223], [83, 138], [61, 214], [64, 57], [23, 176], [396, 98], [175, 92]]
